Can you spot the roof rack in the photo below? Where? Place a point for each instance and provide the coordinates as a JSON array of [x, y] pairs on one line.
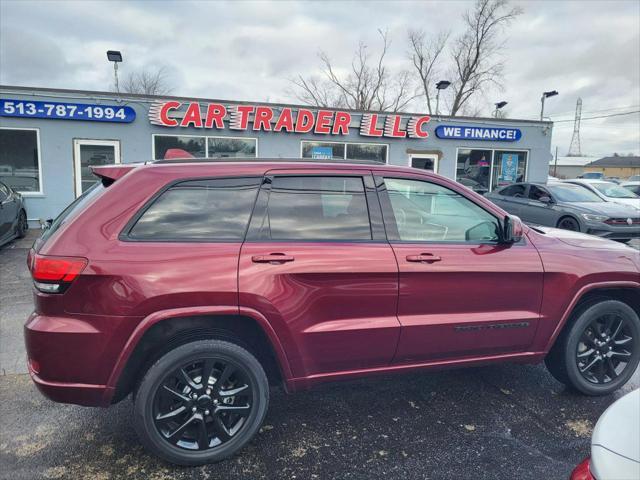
[[265, 160]]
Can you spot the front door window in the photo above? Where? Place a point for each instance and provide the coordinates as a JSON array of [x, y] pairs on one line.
[[89, 153]]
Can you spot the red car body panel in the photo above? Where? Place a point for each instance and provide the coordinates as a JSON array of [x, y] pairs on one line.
[[340, 310]]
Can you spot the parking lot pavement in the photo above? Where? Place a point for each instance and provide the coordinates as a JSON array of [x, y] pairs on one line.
[[498, 422]]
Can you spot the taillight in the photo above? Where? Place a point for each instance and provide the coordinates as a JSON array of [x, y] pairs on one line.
[[55, 274]]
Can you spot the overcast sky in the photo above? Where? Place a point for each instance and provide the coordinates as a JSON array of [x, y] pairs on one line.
[[249, 50]]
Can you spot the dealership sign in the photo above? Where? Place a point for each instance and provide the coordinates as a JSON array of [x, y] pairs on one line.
[[495, 134], [284, 119], [66, 111]]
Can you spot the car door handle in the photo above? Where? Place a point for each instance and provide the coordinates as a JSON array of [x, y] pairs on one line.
[[423, 258], [273, 258]]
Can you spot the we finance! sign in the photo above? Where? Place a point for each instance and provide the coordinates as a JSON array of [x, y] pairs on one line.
[[286, 119], [494, 134]]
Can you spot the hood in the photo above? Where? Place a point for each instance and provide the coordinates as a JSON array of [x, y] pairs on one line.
[[610, 209], [577, 239], [632, 202]]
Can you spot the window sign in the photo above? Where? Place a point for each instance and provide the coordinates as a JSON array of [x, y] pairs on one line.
[[324, 153], [67, 111], [509, 169]]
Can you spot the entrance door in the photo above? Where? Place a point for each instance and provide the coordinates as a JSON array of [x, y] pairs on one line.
[[424, 161], [87, 153]]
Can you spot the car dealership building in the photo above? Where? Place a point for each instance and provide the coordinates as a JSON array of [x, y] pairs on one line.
[[50, 137]]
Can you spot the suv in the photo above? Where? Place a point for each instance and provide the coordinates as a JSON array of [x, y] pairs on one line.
[[193, 285]]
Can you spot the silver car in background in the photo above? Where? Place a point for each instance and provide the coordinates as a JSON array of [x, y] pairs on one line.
[[610, 192], [568, 206]]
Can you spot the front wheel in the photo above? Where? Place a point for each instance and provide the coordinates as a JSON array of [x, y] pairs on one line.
[[569, 223], [201, 402], [22, 225], [600, 351]]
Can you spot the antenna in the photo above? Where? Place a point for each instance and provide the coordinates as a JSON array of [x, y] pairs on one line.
[[574, 148]]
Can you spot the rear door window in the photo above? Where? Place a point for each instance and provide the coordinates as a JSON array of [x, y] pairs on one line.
[[516, 190], [317, 208], [199, 210]]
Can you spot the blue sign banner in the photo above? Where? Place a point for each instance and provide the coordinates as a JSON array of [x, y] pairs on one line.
[[325, 153], [66, 111], [465, 132]]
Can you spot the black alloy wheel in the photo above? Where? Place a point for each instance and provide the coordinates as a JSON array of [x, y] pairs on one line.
[[22, 226], [605, 348], [201, 402], [569, 223]]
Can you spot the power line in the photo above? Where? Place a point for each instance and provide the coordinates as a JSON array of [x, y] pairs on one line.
[[610, 109], [601, 116]]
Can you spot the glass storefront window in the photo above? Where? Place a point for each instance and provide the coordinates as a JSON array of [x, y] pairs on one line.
[[508, 167], [225, 147], [367, 151], [20, 159], [196, 146], [473, 169]]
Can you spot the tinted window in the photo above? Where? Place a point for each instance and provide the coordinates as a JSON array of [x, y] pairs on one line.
[[514, 190], [200, 210], [318, 208], [536, 193], [424, 211]]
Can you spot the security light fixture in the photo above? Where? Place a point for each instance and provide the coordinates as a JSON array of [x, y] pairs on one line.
[[498, 105], [441, 85], [114, 56], [551, 93]]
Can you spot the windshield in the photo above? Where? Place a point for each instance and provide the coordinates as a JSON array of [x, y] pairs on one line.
[[573, 193], [612, 190]]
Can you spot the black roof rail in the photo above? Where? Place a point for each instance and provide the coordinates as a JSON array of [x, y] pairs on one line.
[[264, 160]]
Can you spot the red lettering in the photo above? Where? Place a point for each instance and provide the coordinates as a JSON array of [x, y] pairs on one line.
[[192, 116], [419, 128], [242, 121], [392, 127], [285, 120], [164, 114], [341, 123], [304, 121], [323, 121], [262, 119], [370, 122], [215, 114]]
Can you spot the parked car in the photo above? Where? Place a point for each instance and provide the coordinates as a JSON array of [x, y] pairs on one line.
[[194, 285], [615, 443], [632, 186], [592, 175], [570, 207], [634, 178], [13, 215], [610, 192]]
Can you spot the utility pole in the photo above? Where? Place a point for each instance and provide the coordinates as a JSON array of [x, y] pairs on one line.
[[555, 165]]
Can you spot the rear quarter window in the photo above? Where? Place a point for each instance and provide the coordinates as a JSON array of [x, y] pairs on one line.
[[198, 210]]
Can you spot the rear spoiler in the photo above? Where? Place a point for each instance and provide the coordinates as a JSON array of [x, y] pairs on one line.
[[110, 173]]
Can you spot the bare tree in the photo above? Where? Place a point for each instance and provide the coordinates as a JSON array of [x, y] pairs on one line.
[[475, 53], [148, 82], [368, 84], [425, 55]]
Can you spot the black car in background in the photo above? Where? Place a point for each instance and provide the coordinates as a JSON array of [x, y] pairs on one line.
[[13, 215], [568, 206]]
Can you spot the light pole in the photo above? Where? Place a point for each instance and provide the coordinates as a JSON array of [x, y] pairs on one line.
[[441, 85], [498, 105], [116, 57], [552, 93]]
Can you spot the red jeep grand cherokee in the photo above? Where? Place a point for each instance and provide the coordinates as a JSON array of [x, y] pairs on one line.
[[194, 284]]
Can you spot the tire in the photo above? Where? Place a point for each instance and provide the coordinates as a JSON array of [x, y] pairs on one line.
[[164, 402], [590, 362], [568, 223], [22, 226]]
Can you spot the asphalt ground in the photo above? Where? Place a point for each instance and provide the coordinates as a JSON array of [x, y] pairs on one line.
[[499, 422]]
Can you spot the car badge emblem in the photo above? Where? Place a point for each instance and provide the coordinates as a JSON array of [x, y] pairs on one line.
[[629, 221]]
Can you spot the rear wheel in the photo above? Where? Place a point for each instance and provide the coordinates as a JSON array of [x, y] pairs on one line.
[[569, 223], [600, 351], [201, 402]]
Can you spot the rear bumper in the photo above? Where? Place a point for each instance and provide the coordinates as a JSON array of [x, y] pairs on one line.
[[70, 359]]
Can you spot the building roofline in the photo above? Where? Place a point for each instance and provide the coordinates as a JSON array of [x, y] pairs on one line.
[[151, 98]]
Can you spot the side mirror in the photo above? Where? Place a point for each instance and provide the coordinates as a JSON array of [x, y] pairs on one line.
[[513, 229], [545, 199]]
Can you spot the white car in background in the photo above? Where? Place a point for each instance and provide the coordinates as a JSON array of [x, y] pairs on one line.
[[633, 186], [615, 443], [609, 191]]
